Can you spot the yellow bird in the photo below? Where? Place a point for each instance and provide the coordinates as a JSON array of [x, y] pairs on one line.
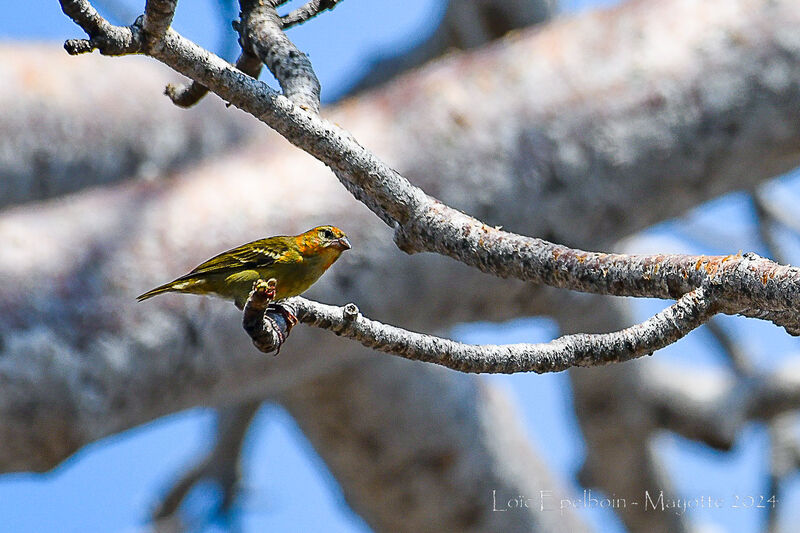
[[296, 262]]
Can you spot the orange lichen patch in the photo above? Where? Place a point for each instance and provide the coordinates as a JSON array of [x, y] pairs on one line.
[[712, 267], [768, 275], [556, 255], [656, 268], [699, 262], [581, 258]]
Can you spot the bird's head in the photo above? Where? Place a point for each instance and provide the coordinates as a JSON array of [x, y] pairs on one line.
[[327, 238]]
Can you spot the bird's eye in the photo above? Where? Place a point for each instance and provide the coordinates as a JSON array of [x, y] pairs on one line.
[[328, 234]]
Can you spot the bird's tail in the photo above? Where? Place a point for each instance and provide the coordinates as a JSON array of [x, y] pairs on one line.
[[188, 283], [158, 290]]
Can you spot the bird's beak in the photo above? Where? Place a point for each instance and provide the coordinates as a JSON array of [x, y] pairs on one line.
[[344, 244]]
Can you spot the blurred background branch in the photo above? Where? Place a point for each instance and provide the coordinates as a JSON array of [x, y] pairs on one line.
[[578, 152]]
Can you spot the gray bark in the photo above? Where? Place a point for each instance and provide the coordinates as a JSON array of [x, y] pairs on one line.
[[68, 125], [558, 147]]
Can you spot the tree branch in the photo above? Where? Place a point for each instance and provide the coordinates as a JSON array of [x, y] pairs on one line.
[[189, 95], [221, 465], [261, 35], [752, 286], [689, 312], [263, 42], [306, 12], [157, 19], [419, 448], [103, 36], [603, 394], [572, 160], [69, 127]]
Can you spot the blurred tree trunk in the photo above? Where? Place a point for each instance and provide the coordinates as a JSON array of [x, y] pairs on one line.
[[582, 132]]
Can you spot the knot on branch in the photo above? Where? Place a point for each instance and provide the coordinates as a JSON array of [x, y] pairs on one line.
[[267, 323], [78, 46], [350, 312]]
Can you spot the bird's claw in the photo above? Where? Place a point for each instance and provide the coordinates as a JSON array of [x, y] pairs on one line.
[[291, 320], [269, 288]]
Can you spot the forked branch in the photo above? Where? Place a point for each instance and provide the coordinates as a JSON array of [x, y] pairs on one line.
[[742, 283]]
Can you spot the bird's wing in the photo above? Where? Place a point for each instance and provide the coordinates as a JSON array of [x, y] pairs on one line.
[[257, 254]]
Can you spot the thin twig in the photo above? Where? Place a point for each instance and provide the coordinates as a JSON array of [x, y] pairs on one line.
[[689, 312], [307, 12], [109, 39], [189, 95]]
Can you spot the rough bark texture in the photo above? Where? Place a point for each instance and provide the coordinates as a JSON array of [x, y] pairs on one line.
[[581, 133], [582, 349], [261, 35]]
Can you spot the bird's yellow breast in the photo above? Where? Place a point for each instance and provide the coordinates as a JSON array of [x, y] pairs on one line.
[[293, 277]]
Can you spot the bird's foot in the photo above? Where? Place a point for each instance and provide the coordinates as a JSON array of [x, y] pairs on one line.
[[261, 296], [291, 320], [271, 289]]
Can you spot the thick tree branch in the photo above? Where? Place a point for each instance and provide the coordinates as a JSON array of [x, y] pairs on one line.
[[66, 127]]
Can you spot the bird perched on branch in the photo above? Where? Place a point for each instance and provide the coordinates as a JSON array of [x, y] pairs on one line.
[[295, 262]]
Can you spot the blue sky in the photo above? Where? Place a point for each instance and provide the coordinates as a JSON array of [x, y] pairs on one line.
[[113, 484]]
